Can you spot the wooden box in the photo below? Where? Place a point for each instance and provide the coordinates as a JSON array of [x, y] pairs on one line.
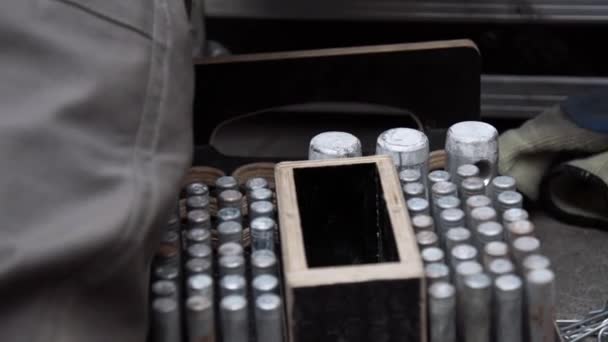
[[351, 265]]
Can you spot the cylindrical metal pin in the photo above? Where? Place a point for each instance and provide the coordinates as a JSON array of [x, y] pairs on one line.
[[518, 229], [418, 206], [462, 253], [197, 189], [535, 262], [494, 250], [234, 318], [199, 266], [166, 325], [436, 272], [454, 237], [332, 145], [200, 319], [262, 234], [197, 203], [233, 284], [268, 318], [427, 238], [463, 270], [442, 312], [409, 148], [423, 222], [524, 246], [199, 251], [230, 199], [499, 267], [501, 184], [164, 288], [255, 183], [198, 236], [229, 214], [167, 272], [232, 264], [472, 186], [263, 262], [226, 183], [432, 255], [410, 176], [473, 202], [514, 215], [507, 200], [442, 189], [199, 285], [265, 283], [540, 302], [477, 302], [447, 202], [473, 142], [465, 171], [414, 190], [508, 294], [437, 176], [489, 231], [450, 218], [230, 231], [481, 215], [261, 209], [167, 254], [230, 248], [199, 219], [259, 195]]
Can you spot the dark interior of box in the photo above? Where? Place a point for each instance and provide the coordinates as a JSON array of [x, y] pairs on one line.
[[343, 216]]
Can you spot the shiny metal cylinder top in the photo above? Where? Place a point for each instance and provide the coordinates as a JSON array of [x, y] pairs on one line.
[[473, 142], [409, 148], [332, 145]]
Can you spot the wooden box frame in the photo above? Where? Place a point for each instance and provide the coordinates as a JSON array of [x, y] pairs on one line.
[[403, 279]]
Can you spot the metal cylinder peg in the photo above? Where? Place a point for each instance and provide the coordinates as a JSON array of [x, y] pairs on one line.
[[261, 209], [234, 319], [263, 262], [518, 229], [507, 200], [164, 288], [488, 232], [481, 215], [262, 233], [410, 176], [166, 326], [269, 318], [477, 301], [427, 238], [167, 254], [333, 145], [500, 184], [437, 176], [414, 190], [200, 319], [197, 189], [423, 222], [454, 237], [474, 202], [499, 267], [230, 231], [451, 218], [229, 249], [233, 284], [465, 171], [472, 186], [232, 264], [446, 202], [442, 312], [167, 272], [199, 285], [461, 272], [462, 253], [225, 183], [229, 214], [508, 299], [265, 283], [198, 236], [514, 215], [259, 195], [230, 199], [198, 266], [197, 203], [418, 206], [442, 189], [199, 219], [540, 302], [473, 142], [255, 183], [524, 246], [436, 272], [432, 255], [199, 251], [494, 250], [535, 262], [409, 148]]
